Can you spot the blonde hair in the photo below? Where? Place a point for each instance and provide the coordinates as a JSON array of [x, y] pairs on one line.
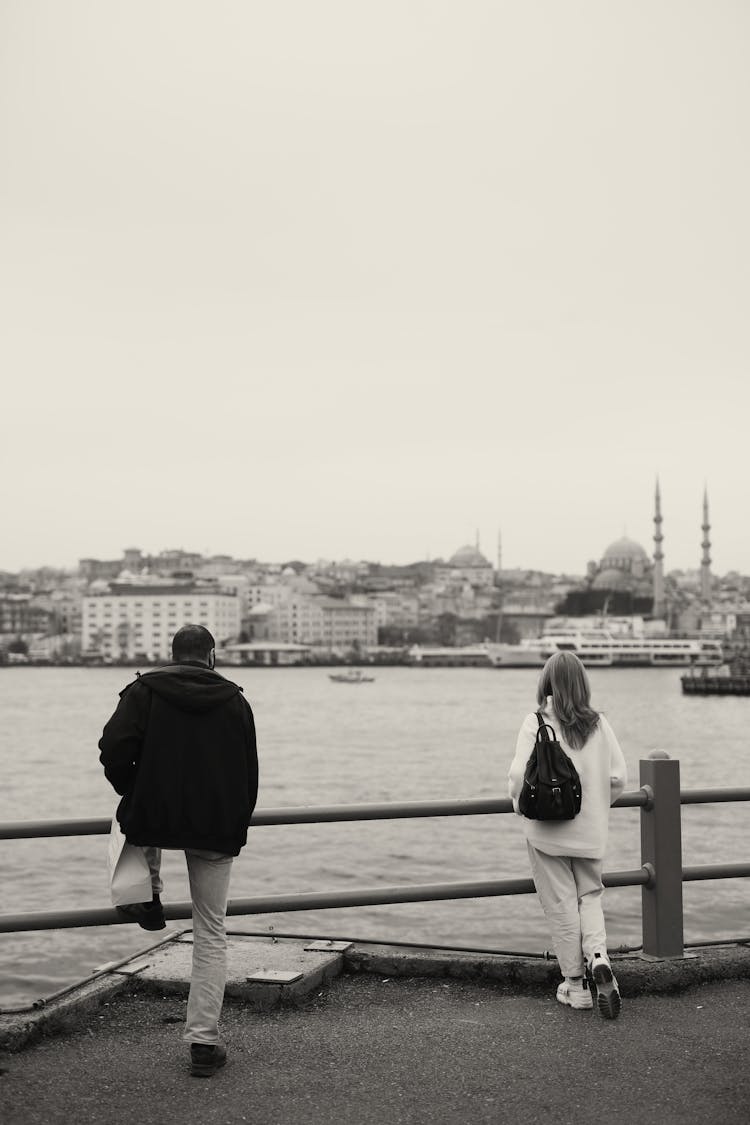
[[564, 678]]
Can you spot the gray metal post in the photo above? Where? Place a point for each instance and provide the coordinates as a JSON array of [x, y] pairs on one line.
[[661, 853]]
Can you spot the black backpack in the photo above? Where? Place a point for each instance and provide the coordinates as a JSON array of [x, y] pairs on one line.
[[551, 785]]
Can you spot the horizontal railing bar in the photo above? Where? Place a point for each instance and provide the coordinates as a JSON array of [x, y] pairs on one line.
[[322, 814], [711, 796], [638, 877], [40, 829], [393, 811], [637, 798], [305, 814], [314, 900], [366, 896], [715, 871]]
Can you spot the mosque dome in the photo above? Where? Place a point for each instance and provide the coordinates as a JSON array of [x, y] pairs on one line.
[[468, 556], [624, 550], [623, 566]]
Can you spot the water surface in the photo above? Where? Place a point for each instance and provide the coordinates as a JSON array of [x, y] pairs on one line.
[[413, 734]]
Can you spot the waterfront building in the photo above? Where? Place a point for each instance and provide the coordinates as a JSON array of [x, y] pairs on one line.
[[63, 603], [393, 607], [524, 622], [334, 624], [129, 622], [21, 615], [717, 622], [257, 624]]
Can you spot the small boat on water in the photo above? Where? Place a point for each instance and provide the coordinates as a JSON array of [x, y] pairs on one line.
[[352, 676], [733, 678]]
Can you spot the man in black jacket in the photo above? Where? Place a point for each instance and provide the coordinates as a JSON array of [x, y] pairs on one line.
[[180, 749]]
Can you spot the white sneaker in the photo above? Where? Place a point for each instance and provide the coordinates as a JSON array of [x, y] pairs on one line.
[[575, 993], [608, 1000]]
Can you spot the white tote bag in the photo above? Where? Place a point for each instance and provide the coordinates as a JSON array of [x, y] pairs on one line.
[[129, 875]]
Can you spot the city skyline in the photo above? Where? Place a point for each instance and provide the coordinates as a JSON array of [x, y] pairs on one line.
[[496, 560], [334, 282]]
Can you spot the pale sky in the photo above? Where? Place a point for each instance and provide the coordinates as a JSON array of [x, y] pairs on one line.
[[346, 279]]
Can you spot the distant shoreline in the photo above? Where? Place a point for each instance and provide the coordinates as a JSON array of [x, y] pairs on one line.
[[37, 664]]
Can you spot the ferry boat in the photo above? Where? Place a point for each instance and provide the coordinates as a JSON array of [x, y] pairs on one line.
[[600, 648], [527, 654], [451, 656]]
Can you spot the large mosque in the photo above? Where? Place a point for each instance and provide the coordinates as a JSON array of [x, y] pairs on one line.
[[626, 580], [626, 573]]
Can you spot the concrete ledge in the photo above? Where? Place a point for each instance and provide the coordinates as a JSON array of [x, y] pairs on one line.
[[168, 969], [19, 1031], [634, 974]]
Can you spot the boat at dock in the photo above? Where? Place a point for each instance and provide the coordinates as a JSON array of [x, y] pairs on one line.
[[733, 678], [599, 648], [450, 656], [353, 676]]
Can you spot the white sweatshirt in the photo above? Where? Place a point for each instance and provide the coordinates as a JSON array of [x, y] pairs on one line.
[[603, 773]]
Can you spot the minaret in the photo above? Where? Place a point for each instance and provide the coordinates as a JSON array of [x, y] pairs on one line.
[[499, 585], [659, 606], [706, 558]]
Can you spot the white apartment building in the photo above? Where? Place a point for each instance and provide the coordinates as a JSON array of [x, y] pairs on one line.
[[128, 622], [331, 623]]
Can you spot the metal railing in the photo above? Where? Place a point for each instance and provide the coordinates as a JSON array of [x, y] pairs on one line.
[[660, 875]]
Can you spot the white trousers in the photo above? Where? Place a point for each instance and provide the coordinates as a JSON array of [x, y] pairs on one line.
[[570, 892], [209, 874]]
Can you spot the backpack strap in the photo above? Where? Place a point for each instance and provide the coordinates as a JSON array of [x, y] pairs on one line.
[[544, 729]]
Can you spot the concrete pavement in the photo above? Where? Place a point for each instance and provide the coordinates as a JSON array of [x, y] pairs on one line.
[[373, 1047]]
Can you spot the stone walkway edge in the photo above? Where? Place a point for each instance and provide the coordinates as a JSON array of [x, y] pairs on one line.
[[265, 971]]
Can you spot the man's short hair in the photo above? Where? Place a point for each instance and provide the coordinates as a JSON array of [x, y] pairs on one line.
[[192, 642]]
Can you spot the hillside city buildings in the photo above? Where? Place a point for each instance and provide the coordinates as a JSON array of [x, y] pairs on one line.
[[127, 609]]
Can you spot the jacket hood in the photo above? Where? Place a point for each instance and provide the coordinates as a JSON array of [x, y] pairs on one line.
[[189, 687]]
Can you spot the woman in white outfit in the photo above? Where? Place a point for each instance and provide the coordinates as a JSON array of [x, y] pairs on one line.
[[566, 855]]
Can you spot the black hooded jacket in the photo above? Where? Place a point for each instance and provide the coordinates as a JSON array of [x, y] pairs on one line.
[[180, 749]]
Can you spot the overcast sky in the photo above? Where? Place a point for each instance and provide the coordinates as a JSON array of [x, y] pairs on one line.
[[301, 280]]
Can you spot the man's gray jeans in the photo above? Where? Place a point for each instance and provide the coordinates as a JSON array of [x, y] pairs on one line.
[[209, 874]]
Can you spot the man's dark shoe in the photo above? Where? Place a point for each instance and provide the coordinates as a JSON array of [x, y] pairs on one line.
[[206, 1058], [148, 915]]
